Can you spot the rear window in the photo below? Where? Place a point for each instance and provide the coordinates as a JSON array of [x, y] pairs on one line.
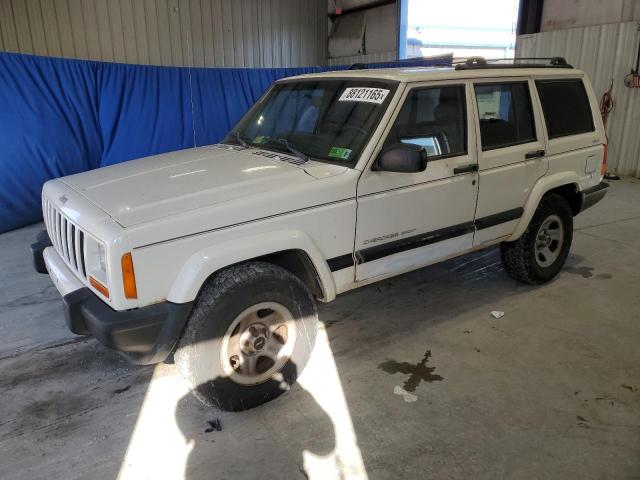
[[505, 114], [566, 107]]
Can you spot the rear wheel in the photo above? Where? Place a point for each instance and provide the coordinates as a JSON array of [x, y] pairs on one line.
[[249, 336], [539, 254]]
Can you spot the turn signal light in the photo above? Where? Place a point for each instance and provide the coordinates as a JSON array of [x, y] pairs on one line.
[[604, 159], [128, 276], [98, 286]]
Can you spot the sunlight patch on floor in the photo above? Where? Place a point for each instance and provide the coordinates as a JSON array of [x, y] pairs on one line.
[[322, 381], [157, 448]]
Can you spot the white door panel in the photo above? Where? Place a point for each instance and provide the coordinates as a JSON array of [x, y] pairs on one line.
[[409, 220], [507, 174], [415, 258], [504, 190], [512, 155], [420, 217]]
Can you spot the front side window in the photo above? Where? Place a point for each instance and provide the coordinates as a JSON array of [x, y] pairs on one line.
[[565, 106], [325, 119], [505, 115], [433, 118]]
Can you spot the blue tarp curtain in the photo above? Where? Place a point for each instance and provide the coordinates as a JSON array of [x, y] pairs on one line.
[[59, 117]]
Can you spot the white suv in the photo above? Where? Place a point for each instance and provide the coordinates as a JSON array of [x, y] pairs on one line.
[[331, 181]]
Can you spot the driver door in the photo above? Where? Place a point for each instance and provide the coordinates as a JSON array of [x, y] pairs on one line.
[[409, 220]]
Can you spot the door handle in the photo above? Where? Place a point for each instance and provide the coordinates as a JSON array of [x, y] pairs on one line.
[[466, 169], [534, 154]]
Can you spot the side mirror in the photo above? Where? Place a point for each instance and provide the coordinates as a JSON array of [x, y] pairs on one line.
[[402, 157]]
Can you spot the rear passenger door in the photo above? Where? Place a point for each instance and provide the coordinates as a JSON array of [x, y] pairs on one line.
[[511, 154]]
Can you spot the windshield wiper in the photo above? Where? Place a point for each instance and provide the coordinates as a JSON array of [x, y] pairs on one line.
[[290, 148], [240, 139]]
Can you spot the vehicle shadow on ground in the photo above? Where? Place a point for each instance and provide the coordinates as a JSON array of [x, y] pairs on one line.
[[263, 448]]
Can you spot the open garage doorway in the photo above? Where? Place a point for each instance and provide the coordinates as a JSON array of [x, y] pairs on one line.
[[463, 27]]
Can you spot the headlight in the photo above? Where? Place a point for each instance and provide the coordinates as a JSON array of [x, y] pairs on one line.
[[96, 263], [102, 258]]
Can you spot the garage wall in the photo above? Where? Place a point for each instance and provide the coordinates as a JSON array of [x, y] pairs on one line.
[[605, 53], [366, 58], [561, 14], [205, 33], [366, 36]]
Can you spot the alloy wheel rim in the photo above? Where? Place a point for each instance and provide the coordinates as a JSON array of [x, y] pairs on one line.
[[549, 241], [258, 343]]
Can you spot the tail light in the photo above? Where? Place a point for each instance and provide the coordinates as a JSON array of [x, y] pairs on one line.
[[604, 160]]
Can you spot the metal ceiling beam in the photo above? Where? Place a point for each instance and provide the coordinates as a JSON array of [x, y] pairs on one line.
[[363, 7]]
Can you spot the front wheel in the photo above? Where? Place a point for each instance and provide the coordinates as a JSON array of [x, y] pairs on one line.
[[250, 334], [539, 254]]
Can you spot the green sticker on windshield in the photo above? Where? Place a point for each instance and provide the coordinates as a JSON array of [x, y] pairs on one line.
[[338, 152], [260, 139]]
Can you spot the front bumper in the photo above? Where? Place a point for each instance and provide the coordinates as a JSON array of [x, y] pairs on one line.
[[37, 251], [144, 335], [593, 195]]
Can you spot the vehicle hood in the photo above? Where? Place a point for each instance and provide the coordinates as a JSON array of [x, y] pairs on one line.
[[155, 187]]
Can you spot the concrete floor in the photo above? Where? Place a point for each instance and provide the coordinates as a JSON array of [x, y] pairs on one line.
[[550, 390]]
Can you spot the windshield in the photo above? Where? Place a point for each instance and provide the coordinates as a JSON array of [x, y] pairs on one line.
[[327, 120]]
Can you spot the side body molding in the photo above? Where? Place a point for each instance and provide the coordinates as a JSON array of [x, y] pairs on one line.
[[209, 260], [542, 186]]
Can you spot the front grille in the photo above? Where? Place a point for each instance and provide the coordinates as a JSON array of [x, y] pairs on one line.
[[67, 238]]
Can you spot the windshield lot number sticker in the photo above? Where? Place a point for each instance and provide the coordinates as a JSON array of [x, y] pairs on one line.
[[364, 94]]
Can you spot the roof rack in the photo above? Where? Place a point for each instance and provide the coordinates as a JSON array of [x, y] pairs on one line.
[[444, 61], [473, 63]]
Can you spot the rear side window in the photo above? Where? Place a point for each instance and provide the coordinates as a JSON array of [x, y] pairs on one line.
[[433, 118], [505, 115], [566, 107]]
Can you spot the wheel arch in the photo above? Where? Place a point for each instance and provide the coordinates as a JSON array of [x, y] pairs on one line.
[[296, 261], [566, 184], [571, 193], [292, 250]]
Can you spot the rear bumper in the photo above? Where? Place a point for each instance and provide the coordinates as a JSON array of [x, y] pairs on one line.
[[593, 195], [144, 335]]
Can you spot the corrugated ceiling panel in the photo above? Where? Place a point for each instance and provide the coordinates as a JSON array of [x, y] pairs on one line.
[[605, 53], [203, 33]]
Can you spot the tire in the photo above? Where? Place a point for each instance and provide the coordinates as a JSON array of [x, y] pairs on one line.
[[528, 263], [243, 315]]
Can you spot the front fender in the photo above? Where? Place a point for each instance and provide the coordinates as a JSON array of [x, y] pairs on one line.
[[209, 260], [542, 186]]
